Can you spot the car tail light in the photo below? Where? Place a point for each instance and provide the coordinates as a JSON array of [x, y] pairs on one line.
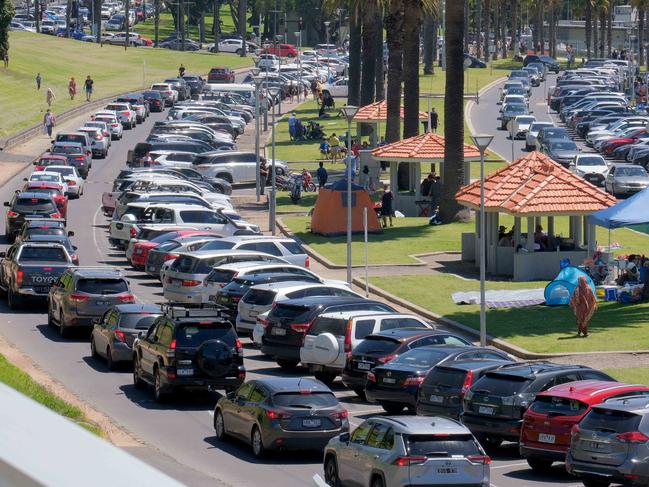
[[468, 380], [574, 431], [307, 262], [300, 327], [238, 345], [55, 215], [190, 283], [125, 113], [407, 461], [263, 322], [385, 360], [632, 437], [344, 414], [19, 278], [114, 124], [133, 232], [126, 298], [482, 459], [11, 214], [371, 377], [99, 137], [172, 345], [169, 257], [413, 381], [79, 158], [79, 298], [277, 415], [71, 183], [348, 337], [40, 168], [120, 336]]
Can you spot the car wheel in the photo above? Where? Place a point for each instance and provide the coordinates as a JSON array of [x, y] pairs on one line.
[[238, 52], [93, 347], [489, 442], [360, 393], [257, 443], [137, 379], [158, 392], [219, 426], [378, 482], [327, 378], [13, 301], [595, 483], [539, 464], [391, 408], [227, 177], [109, 359], [331, 471], [287, 364]]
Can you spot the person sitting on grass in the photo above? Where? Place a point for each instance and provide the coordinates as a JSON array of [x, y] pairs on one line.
[[324, 149]]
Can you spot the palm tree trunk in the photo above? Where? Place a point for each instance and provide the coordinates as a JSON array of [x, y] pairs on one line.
[[595, 35], [487, 27], [429, 43], [641, 16], [368, 65], [68, 13], [411, 34], [453, 112], [503, 31], [394, 36], [379, 74], [609, 28], [243, 24], [542, 27], [497, 15], [354, 88], [466, 28], [552, 40], [96, 19], [514, 25], [216, 24], [588, 14], [478, 28], [602, 35]]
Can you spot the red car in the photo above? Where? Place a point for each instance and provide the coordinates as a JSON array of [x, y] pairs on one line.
[[220, 75], [142, 247], [610, 145], [50, 160], [54, 190], [281, 50], [147, 42], [547, 423]]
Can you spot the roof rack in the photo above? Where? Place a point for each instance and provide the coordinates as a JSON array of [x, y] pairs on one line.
[[174, 310]]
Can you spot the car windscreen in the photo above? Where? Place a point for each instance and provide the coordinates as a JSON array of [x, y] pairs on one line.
[[563, 146], [441, 445], [631, 171], [421, 358], [102, 286], [591, 161], [376, 345], [37, 205], [218, 245], [197, 216], [259, 297], [558, 406], [137, 321], [305, 399], [192, 335], [502, 384], [609, 419], [43, 254]]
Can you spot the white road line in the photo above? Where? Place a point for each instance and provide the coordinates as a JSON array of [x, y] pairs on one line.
[[366, 411], [509, 465]]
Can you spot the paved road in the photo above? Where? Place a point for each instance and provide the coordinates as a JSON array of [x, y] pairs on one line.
[[183, 429]]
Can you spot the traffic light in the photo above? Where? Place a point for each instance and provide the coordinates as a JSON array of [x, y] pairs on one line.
[[300, 24]]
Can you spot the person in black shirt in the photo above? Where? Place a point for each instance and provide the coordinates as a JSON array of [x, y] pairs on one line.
[[88, 85], [434, 119]]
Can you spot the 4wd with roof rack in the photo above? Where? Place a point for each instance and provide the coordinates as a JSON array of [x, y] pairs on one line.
[[189, 348]]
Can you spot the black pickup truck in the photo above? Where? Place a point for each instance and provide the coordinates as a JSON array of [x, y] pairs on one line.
[[28, 270]]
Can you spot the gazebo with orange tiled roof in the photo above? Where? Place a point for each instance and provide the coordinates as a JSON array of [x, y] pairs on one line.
[[428, 147], [376, 114], [533, 187]]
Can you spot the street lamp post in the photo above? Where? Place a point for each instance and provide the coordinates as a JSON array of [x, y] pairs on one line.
[[349, 111], [482, 142], [274, 91], [258, 80], [327, 24], [298, 36]]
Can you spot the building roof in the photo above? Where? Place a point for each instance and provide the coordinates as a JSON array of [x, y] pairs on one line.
[[535, 185], [424, 147], [378, 111]]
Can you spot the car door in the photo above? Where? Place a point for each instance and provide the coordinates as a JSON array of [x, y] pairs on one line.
[[99, 331], [374, 456], [148, 347], [233, 415], [348, 467], [250, 411]]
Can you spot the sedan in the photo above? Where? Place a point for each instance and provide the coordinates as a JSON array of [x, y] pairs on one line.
[[281, 413], [511, 111], [609, 146], [338, 88], [561, 151], [177, 45], [115, 127], [626, 179], [71, 177]]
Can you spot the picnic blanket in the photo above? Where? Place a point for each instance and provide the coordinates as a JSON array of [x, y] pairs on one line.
[[518, 298]]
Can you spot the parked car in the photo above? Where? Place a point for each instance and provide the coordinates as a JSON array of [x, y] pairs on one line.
[[233, 166], [285, 247], [473, 62], [75, 154], [592, 167], [235, 46], [532, 133], [281, 50], [337, 88], [549, 62], [25, 205], [115, 331], [220, 75], [561, 151], [281, 413], [179, 45], [73, 180], [625, 179], [405, 451], [49, 160]]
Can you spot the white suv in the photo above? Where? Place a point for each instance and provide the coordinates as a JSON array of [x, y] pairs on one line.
[[125, 114], [234, 167], [333, 335]]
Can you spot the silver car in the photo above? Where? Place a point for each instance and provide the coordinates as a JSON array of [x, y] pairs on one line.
[[533, 131], [286, 248], [626, 179], [406, 451], [98, 142], [611, 444]]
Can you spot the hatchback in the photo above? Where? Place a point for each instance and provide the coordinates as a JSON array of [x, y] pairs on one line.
[[407, 451], [49, 160], [75, 155], [26, 205], [281, 413], [168, 251], [545, 434], [286, 248]]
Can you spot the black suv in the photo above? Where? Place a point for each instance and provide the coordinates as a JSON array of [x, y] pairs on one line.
[[24, 205], [493, 407], [188, 348], [289, 320], [551, 63]]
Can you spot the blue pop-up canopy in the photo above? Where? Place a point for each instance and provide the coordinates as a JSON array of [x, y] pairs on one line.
[[632, 211]]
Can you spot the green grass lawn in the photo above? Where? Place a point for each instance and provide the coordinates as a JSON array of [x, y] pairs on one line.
[[166, 26], [19, 380], [113, 69], [538, 329], [631, 375]]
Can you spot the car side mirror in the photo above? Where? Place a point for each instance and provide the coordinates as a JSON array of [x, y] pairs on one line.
[[70, 234], [344, 438], [25, 179], [35, 163], [6, 203]]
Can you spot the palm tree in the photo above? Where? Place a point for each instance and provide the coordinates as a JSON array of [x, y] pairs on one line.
[[411, 31], [379, 73], [514, 26], [354, 86], [216, 23], [243, 8], [394, 36], [641, 6], [68, 13], [368, 63], [588, 14], [609, 27], [487, 26], [453, 111], [429, 40]]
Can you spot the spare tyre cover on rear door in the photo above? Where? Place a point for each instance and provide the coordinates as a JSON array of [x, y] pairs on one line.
[[214, 358]]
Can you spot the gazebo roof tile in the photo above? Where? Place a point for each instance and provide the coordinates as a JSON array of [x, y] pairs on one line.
[[535, 184], [378, 111], [426, 146]]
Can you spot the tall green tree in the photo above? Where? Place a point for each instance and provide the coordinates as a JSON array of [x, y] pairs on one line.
[[355, 43], [7, 12], [394, 36], [588, 33], [411, 33], [370, 27], [243, 8]]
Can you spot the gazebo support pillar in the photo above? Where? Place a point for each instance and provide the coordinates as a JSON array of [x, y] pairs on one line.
[[467, 171], [592, 238], [578, 232], [530, 234], [517, 231], [550, 226]]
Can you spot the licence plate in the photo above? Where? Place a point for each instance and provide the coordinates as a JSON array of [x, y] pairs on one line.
[[363, 366], [42, 289], [485, 410], [437, 399], [279, 331], [252, 314], [389, 380], [447, 470], [102, 303], [185, 372], [311, 423], [544, 438]]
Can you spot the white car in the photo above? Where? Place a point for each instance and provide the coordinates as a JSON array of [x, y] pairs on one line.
[[172, 158], [167, 90], [532, 132], [114, 125], [98, 143], [267, 61], [522, 124], [125, 113], [592, 167], [49, 177], [71, 177], [232, 45], [337, 89], [103, 126]]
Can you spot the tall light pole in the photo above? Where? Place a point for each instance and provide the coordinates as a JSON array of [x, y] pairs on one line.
[[298, 37], [258, 80], [349, 111], [274, 91], [327, 24], [482, 142]]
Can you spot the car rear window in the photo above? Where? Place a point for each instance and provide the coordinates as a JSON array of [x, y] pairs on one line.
[[43, 254], [376, 345], [45, 231], [558, 406], [305, 399], [441, 445], [71, 138], [194, 334], [293, 247], [137, 321], [421, 357], [259, 297], [335, 326], [502, 384], [220, 275], [68, 150], [218, 245], [40, 205], [102, 286], [184, 263], [607, 419], [289, 312], [445, 377]]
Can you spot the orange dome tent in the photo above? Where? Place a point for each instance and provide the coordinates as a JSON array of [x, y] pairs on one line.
[[330, 212]]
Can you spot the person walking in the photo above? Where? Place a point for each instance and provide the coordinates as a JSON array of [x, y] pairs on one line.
[[584, 304], [181, 71], [386, 205], [50, 97], [5, 58], [364, 178], [72, 88], [292, 124], [89, 86], [39, 80], [49, 121], [434, 119], [263, 174], [322, 175]]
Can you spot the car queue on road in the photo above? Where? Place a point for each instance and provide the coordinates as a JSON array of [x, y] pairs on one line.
[[223, 281]]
